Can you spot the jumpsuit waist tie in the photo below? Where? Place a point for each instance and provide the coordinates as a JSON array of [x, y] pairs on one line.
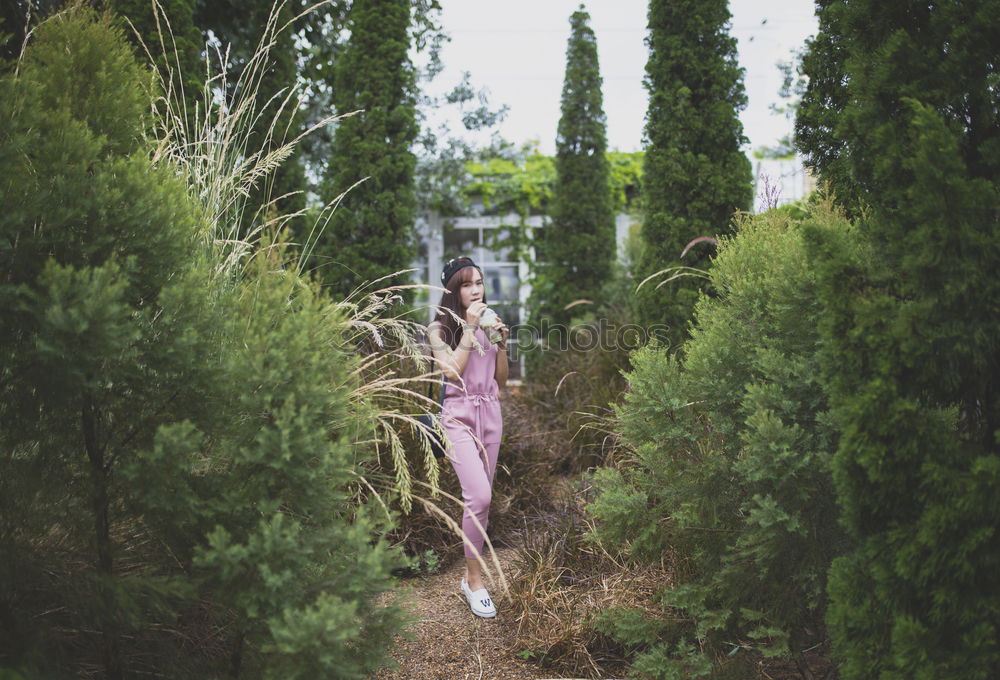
[[478, 400]]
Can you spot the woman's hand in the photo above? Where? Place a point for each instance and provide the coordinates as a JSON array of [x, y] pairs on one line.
[[473, 313]]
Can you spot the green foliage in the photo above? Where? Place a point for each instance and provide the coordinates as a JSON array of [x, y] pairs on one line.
[[731, 477], [576, 250], [177, 460], [289, 552], [900, 118], [524, 183], [303, 55], [300, 59], [314, 47], [174, 32], [167, 31], [283, 191], [866, 61], [371, 236], [696, 175], [625, 178]]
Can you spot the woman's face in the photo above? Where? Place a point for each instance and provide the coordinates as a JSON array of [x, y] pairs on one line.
[[471, 289]]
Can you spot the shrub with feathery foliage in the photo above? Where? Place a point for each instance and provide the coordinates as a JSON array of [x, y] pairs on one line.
[[177, 459], [900, 118], [730, 482]]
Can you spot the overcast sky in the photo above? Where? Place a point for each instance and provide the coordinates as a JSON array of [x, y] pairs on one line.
[[517, 50]]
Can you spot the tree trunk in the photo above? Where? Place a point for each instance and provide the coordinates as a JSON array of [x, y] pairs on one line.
[[236, 659], [110, 653]]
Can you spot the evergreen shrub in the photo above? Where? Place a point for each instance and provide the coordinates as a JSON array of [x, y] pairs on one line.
[[177, 459], [900, 120], [695, 174], [730, 481]]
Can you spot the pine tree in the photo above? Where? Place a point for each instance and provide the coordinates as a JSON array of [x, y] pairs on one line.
[[695, 175], [97, 247], [176, 460], [900, 119], [577, 249], [371, 234]]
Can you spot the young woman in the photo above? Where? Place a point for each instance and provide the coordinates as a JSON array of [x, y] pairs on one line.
[[475, 369]]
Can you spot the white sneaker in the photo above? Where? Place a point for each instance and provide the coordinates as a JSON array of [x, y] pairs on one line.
[[479, 601]]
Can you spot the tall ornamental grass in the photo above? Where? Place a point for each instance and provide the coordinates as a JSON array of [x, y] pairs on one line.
[[229, 167]]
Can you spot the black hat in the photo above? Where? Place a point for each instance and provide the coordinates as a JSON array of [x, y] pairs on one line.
[[453, 266]]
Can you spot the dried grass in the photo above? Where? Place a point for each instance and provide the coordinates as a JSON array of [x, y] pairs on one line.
[[557, 426], [562, 417], [560, 582]]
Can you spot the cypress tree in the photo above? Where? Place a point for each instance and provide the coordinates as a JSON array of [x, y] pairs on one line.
[[695, 176], [283, 191], [900, 118], [577, 249], [174, 41], [371, 234]]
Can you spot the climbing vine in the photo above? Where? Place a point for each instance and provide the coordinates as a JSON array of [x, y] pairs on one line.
[[523, 183]]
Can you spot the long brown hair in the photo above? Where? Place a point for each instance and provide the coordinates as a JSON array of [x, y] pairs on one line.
[[451, 304]]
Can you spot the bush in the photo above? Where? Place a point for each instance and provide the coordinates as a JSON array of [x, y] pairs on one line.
[[178, 454], [900, 120], [730, 480]]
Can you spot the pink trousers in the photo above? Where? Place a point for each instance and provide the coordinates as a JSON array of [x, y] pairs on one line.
[[475, 468]]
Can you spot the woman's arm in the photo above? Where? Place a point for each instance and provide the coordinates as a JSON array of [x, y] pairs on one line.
[[451, 362], [502, 368]]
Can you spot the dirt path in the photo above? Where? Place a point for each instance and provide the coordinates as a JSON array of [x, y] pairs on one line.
[[449, 642]]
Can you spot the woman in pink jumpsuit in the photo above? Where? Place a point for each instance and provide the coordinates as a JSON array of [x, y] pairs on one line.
[[475, 369]]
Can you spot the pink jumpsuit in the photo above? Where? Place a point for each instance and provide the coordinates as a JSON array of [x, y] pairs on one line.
[[475, 412]]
